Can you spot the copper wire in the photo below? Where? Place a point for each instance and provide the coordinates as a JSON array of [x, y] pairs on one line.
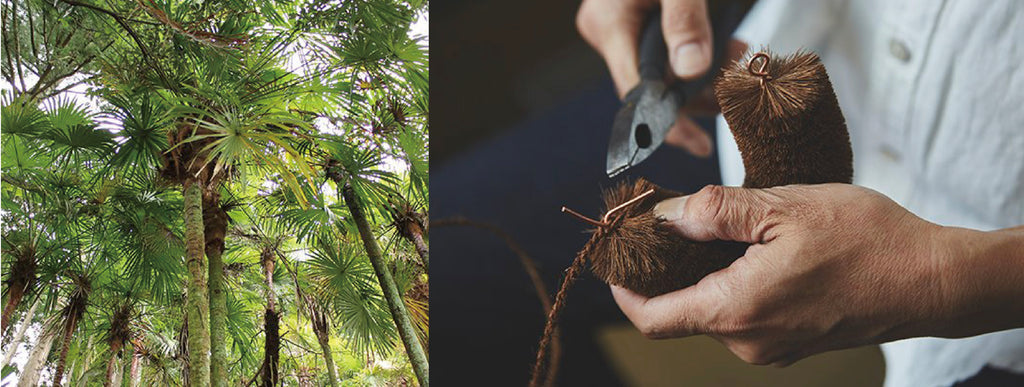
[[624, 205], [582, 217], [763, 70], [604, 221]]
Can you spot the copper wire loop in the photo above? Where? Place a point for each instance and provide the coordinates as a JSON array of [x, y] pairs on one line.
[[604, 221], [763, 70]]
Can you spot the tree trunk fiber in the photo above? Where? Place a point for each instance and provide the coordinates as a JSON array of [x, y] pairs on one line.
[[26, 320], [421, 248], [215, 228], [197, 300], [69, 331], [36, 360], [406, 330]]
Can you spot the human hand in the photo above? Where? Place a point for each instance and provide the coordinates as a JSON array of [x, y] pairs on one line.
[[613, 28], [831, 266]]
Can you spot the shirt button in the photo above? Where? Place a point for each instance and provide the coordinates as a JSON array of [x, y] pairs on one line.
[[899, 50]]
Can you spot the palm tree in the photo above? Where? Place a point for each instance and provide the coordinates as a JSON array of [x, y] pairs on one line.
[[21, 277], [71, 315], [268, 249], [61, 134], [115, 224], [118, 333], [353, 169], [22, 124]]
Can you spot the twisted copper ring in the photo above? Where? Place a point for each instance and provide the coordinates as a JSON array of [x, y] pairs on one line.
[[763, 70]]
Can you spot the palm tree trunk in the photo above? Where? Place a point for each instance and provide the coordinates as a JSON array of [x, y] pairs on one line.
[[136, 370], [421, 248], [271, 323], [13, 299], [271, 348], [332, 373], [197, 300], [321, 329], [69, 330], [215, 227], [114, 367], [36, 360], [72, 313], [20, 280], [406, 330], [26, 320], [181, 353]]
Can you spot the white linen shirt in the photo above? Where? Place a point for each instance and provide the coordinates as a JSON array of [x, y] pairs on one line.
[[933, 95]]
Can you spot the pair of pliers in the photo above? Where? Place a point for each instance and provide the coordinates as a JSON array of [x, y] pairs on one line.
[[650, 109]]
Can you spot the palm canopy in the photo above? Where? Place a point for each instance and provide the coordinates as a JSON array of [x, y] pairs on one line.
[[108, 106]]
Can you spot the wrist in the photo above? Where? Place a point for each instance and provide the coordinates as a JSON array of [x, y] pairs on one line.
[[980, 277]]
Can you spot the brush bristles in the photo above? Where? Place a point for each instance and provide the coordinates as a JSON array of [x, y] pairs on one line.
[[787, 125], [793, 84], [643, 255]]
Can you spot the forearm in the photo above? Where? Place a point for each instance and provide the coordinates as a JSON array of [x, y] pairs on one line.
[[982, 277]]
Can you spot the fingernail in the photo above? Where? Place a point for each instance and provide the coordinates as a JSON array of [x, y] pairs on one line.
[[689, 60], [670, 209]]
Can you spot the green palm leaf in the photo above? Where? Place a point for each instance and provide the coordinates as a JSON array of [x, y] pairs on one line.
[[144, 122], [343, 275], [19, 118]]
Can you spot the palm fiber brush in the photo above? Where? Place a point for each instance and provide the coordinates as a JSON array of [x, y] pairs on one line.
[[789, 129]]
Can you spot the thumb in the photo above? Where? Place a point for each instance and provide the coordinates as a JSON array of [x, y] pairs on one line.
[[721, 213], [688, 36]]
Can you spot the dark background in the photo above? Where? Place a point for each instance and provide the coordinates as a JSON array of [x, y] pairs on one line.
[[496, 62], [521, 112]]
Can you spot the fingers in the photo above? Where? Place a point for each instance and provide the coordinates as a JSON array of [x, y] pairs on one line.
[[688, 135], [620, 53], [681, 313], [725, 213], [613, 29], [688, 36]]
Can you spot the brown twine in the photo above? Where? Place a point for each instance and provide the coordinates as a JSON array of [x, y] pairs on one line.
[[570, 276], [531, 269]]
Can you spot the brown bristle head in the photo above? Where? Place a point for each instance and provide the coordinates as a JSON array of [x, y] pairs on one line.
[[641, 254], [769, 98], [786, 120]]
